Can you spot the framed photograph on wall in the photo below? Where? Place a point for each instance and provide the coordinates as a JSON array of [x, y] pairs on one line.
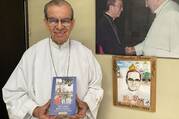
[[129, 27], [134, 82]]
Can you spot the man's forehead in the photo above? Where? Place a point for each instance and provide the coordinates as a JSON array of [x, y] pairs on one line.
[[59, 9], [119, 1], [133, 75]]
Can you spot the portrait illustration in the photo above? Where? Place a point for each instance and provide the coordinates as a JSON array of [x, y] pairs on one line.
[[134, 81]]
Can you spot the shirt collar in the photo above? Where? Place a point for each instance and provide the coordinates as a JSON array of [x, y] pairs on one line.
[[64, 45], [108, 16], [158, 10]]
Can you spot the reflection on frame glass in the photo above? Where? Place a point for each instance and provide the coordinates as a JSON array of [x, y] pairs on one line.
[[129, 28], [116, 29], [134, 81]]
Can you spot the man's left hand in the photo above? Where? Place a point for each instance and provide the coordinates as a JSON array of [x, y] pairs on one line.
[[82, 109]]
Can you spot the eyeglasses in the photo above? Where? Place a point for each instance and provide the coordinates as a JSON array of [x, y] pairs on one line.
[[55, 21], [131, 79]]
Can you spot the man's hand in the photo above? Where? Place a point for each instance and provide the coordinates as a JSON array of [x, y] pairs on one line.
[[41, 112], [130, 51], [82, 109]]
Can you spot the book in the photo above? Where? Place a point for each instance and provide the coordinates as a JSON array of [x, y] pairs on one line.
[[63, 96]]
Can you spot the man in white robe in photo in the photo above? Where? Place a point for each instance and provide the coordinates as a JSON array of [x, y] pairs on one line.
[[162, 39]]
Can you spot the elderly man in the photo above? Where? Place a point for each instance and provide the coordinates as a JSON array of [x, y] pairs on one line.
[[108, 40], [162, 39], [28, 90]]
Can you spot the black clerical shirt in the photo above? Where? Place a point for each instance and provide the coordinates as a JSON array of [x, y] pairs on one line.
[[107, 37]]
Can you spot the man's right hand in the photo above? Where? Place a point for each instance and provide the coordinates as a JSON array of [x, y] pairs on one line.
[[130, 51], [41, 112]]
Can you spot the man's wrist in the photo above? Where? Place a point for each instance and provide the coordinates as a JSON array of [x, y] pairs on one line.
[[36, 112], [86, 105]]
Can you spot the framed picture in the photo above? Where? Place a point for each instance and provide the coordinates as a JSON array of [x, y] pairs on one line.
[[134, 82], [132, 25], [122, 25]]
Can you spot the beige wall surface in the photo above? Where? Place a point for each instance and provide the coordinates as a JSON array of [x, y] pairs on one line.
[[167, 90]]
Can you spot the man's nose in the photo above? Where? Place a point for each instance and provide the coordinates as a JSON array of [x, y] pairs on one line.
[[121, 9], [133, 82], [60, 25]]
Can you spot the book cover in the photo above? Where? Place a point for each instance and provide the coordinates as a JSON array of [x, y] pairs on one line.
[[63, 96]]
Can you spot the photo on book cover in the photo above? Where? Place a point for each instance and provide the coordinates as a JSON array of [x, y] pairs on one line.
[[63, 96]]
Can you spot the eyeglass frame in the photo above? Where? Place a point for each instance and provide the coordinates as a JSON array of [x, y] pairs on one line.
[[52, 21]]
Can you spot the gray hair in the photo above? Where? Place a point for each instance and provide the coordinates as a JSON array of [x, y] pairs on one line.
[[108, 3], [59, 3]]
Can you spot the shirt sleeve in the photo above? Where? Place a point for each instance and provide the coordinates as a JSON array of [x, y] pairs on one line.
[[174, 42], [15, 94], [167, 38], [95, 92], [139, 48]]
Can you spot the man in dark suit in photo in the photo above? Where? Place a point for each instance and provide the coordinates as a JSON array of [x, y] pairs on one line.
[[108, 40]]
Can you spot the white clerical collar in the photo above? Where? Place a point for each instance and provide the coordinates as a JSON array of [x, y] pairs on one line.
[[64, 45], [157, 11]]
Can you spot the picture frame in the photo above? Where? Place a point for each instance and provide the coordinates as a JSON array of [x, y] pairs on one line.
[[134, 82], [129, 30], [132, 25]]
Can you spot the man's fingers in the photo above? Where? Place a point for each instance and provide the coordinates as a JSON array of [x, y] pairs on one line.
[[61, 116], [47, 105], [77, 99]]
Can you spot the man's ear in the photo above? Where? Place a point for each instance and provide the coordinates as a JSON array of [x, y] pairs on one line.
[[45, 21], [111, 7], [73, 23]]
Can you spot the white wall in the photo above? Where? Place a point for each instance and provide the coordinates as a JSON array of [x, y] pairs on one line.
[[167, 101]]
